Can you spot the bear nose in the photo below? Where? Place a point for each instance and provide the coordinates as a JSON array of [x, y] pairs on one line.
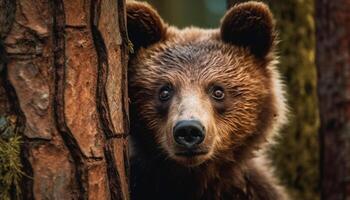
[[189, 133]]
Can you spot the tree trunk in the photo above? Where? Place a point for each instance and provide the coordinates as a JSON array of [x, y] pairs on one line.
[[333, 63], [65, 79]]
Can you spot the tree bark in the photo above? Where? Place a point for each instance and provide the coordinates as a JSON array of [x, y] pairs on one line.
[[333, 63], [65, 79]]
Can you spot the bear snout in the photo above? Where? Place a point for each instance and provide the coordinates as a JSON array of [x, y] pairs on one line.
[[189, 133]]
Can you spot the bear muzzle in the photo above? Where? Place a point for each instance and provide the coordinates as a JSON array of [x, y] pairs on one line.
[[189, 134]]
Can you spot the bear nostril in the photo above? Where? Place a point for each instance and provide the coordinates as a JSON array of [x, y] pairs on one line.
[[189, 133]]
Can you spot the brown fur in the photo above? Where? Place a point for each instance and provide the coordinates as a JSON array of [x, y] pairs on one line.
[[192, 60], [250, 25], [144, 22]]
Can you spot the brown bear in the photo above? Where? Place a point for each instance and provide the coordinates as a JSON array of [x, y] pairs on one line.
[[205, 105]]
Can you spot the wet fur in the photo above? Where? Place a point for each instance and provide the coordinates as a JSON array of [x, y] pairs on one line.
[[247, 120]]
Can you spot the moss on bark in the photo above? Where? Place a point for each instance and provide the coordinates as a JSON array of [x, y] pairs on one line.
[[10, 167]]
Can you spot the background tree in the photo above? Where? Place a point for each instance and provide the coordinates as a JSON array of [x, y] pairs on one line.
[[63, 90], [333, 63], [297, 153]]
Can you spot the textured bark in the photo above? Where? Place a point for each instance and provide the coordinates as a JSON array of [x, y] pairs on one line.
[[333, 63], [65, 78]]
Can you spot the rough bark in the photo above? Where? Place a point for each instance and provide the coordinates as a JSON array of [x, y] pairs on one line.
[[333, 63], [65, 79]]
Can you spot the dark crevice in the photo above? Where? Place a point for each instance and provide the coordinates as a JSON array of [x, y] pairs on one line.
[[102, 101], [3, 55], [27, 180], [114, 178], [126, 162], [117, 136], [59, 66], [78, 27], [37, 140], [103, 107]]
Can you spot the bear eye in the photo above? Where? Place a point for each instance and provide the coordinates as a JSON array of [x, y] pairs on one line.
[[218, 93], [165, 93]]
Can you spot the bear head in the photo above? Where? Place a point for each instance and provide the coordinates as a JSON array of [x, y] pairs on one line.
[[199, 95]]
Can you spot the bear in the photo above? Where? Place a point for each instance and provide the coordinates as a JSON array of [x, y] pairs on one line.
[[205, 105]]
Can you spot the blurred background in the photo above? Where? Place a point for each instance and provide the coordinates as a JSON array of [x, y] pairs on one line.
[[296, 156]]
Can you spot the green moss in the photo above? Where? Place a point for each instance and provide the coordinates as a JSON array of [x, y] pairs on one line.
[[10, 167]]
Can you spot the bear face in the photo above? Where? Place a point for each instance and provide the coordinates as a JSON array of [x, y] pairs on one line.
[[204, 95]]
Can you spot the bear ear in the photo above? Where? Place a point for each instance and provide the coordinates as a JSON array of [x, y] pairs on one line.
[[145, 26], [251, 25]]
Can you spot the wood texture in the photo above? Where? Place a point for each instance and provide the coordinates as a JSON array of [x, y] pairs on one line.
[[66, 68], [333, 63]]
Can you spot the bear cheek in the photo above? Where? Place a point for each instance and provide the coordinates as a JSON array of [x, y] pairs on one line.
[[163, 130], [162, 109], [235, 123], [220, 107]]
